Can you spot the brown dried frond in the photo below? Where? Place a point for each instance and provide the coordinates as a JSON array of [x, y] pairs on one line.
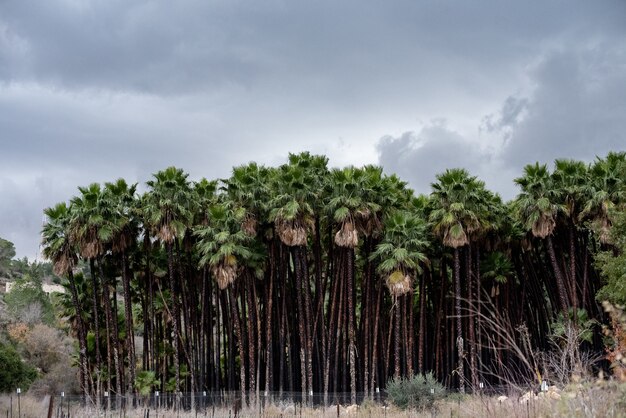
[[249, 225], [91, 249], [62, 264], [455, 242], [371, 226], [399, 283], [291, 233], [347, 236], [603, 227], [166, 233], [543, 226], [224, 274]]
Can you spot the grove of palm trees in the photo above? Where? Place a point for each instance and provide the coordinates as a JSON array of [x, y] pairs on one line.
[[309, 279]]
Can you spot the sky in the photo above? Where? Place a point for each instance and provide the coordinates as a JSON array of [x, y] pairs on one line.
[[94, 90]]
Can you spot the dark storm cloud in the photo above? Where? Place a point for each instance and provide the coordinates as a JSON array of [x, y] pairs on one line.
[[578, 107], [576, 111], [419, 157]]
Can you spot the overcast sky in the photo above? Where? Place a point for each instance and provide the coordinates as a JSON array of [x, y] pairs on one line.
[[95, 90]]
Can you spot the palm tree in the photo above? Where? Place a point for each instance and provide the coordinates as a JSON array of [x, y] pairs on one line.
[[537, 208], [401, 254], [228, 249], [121, 200], [167, 214], [92, 230], [570, 182], [293, 197], [456, 200], [58, 248], [607, 189]]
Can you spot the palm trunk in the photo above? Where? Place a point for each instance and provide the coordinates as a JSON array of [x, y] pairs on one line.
[[175, 313], [351, 334], [572, 266], [82, 336], [113, 341], [130, 333], [301, 319], [239, 339], [422, 324], [396, 337], [459, 328], [558, 275], [96, 324]]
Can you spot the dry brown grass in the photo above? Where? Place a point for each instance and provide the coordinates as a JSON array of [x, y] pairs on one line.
[[595, 399]]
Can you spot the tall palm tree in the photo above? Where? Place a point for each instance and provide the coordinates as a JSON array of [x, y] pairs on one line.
[[293, 197], [455, 199], [571, 185], [121, 199], [228, 249], [537, 208], [92, 230], [607, 188], [167, 213], [58, 248], [401, 254]]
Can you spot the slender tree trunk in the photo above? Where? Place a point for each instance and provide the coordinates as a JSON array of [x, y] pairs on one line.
[[238, 337], [175, 313], [268, 330], [459, 328], [471, 316], [375, 339], [82, 335], [396, 339], [558, 276], [301, 319], [572, 266], [422, 324], [351, 334], [96, 324], [130, 329]]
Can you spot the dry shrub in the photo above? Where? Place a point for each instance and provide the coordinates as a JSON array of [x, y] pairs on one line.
[[616, 333], [61, 378], [45, 346], [18, 332]]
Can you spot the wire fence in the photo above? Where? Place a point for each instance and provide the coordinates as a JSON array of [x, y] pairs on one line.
[[213, 404], [206, 403]]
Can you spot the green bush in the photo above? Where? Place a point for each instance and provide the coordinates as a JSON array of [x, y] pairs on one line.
[[417, 392], [13, 372]]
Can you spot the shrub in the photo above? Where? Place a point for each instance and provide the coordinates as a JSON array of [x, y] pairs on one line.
[[416, 392], [13, 372]]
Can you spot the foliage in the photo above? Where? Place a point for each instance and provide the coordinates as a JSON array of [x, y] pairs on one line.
[[612, 264], [416, 392], [13, 372], [7, 252], [615, 340], [28, 303], [146, 380], [579, 319]]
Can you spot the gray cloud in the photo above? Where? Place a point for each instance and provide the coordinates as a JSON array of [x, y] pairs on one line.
[[419, 157], [577, 109]]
